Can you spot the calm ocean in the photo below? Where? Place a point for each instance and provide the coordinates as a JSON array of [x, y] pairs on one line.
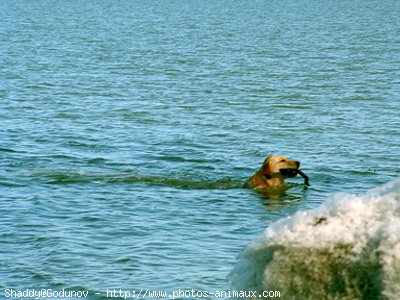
[[127, 128]]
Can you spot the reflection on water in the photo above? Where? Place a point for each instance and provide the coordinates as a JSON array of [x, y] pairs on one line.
[[280, 198]]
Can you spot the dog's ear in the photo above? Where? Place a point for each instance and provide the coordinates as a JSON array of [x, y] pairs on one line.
[[266, 161], [266, 169]]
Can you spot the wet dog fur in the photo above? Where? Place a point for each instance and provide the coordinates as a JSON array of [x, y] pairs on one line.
[[272, 173]]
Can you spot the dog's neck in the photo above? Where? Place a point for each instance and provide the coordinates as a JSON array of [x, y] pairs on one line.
[[262, 181], [267, 177], [274, 181]]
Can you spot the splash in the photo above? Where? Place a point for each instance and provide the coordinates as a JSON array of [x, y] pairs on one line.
[[347, 248]]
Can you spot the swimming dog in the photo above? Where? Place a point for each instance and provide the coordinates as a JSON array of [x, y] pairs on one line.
[[273, 172]]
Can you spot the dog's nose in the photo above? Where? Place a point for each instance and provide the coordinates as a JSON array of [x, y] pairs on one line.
[[297, 163]]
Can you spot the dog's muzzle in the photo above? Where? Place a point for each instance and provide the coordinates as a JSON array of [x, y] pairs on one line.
[[293, 173], [289, 172]]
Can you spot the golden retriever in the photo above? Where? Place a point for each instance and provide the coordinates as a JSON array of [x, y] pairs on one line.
[[273, 173]]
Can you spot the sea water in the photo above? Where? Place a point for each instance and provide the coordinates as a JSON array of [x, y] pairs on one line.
[[128, 127]]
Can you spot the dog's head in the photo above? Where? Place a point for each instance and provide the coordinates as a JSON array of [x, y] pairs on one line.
[[280, 166]]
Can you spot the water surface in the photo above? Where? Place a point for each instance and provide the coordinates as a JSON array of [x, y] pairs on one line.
[[128, 127]]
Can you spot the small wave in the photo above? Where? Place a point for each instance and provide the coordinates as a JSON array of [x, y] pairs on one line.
[[347, 248], [9, 183], [291, 106], [7, 150], [176, 182], [67, 178], [79, 178]]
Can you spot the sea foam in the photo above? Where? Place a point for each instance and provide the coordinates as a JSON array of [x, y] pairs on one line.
[[347, 248]]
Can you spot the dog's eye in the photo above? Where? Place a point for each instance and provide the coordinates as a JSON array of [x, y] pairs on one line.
[[283, 160]]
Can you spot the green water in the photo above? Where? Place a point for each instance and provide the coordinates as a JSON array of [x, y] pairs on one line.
[[128, 127]]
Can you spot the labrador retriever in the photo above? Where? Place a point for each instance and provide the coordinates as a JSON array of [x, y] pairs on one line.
[[273, 173]]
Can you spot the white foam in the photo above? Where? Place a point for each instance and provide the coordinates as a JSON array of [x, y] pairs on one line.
[[347, 248]]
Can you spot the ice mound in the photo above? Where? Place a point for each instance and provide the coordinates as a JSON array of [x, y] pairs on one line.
[[347, 248]]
